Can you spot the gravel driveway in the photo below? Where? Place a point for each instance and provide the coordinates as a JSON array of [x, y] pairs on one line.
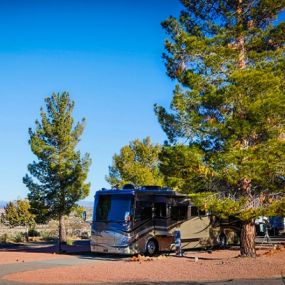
[[169, 270], [194, 268]]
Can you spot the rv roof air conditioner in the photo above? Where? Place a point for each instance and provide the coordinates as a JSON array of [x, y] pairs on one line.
[[151, 187], [128, 186]]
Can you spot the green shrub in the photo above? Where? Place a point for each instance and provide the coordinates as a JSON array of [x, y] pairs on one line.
[[69, 241], [19, 237], [4, 238], [33, 233], [48, 235]]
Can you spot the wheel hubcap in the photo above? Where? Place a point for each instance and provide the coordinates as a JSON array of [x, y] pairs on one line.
[[151, 247]]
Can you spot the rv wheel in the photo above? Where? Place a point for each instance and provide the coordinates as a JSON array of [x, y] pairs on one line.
[[151, 247]]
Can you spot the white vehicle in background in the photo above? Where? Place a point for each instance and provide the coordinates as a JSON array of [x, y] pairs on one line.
[[273, 225]]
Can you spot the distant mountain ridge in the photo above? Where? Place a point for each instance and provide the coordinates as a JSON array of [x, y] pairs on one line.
[[85, 204]]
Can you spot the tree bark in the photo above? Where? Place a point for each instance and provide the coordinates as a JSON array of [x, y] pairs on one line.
[[27, 233], [241, 39], [247, 239], [61, 233], [241, 58]]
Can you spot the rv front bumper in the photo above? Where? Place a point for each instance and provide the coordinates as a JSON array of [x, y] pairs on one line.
[[100, 248]]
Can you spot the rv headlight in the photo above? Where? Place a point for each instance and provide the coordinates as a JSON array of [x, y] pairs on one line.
[[125, 240]]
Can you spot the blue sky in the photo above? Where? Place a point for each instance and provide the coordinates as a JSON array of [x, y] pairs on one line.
[[107, 54]]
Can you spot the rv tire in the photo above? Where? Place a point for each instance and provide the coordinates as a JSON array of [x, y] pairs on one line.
[[151, 247]]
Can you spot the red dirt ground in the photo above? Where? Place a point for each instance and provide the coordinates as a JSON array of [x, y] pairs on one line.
[[220, 265]]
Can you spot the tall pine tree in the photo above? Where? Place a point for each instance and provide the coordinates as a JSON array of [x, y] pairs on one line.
[[228, 59], [57, 179]]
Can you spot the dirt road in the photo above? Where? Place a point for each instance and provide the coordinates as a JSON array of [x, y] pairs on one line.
[[196, 267]]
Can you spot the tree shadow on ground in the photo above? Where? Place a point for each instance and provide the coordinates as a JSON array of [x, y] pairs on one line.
[[80, 248], [47, 247]]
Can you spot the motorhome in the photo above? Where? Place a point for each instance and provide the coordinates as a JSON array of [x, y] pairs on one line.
[[131, 221]]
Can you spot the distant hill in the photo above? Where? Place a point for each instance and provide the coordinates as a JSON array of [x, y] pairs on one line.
[[86, 204]]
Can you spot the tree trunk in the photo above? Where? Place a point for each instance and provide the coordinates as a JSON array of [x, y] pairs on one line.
[[27, 233], [241, 39], [247, 239], [241, 57], [61, 233]]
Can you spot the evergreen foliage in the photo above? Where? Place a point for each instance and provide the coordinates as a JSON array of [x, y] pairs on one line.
[[228, 59], [137, 163], [57, 179], [183, 168], [17, 214]]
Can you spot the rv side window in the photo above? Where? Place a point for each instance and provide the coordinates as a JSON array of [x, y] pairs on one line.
[[194, 211], [160, 210], [179, 212], [143, 210]]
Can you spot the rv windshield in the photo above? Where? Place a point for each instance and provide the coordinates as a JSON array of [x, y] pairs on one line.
[[113, 208]]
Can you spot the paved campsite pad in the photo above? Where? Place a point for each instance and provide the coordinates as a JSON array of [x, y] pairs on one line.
[[40, 264], [24, 257], [88, 269]]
